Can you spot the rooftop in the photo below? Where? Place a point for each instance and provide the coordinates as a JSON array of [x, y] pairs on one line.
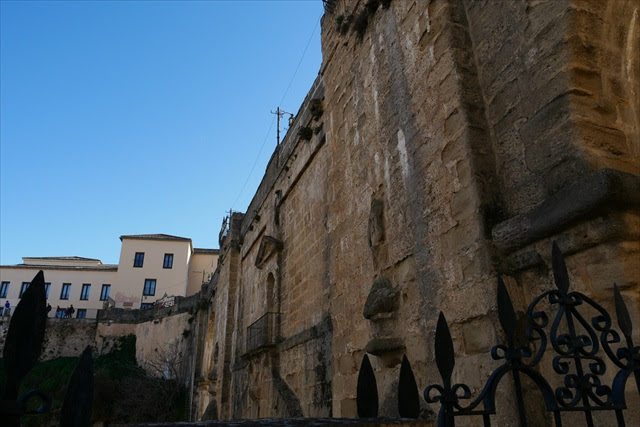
[[206, 251], [62, 258], [155, 237], [84, 263], [96, 267]]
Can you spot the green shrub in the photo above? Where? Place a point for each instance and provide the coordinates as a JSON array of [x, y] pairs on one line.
[[361, 22], [372, 6], [345, 24], [305, 133]]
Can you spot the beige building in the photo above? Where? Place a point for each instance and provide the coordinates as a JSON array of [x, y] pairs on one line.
[[151, 266]]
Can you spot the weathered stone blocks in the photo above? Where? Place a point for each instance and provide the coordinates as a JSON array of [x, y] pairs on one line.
[[459, 138]]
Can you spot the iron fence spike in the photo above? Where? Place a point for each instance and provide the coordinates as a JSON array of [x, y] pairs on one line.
[[76, 408], [560, 274], [445, 357], [506, 314], [622, 313], [408, 397], [367, 390], [23, 344]]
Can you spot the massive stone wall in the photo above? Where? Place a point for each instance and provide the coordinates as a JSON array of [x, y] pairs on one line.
[[443, 142], [63, 337], [164, 346], [409, 193], [165, 337]]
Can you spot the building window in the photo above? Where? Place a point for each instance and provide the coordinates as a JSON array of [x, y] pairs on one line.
[[146, 306], [82, 313], [149, 287], [4, 288], [23, 288], [64, 293], [84, 293], [138, 260], [168, 261], [47, 286], [104, 293]]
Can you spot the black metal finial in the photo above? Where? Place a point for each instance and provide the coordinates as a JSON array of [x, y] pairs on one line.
[[408, 397], [23, 344], [559, 269], [367, 391], [506, 314], [444, 351], [622, 313], [76, 408]]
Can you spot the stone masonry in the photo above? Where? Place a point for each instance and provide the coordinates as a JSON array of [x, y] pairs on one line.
[[442, 143], [63, 337], [164, 336]]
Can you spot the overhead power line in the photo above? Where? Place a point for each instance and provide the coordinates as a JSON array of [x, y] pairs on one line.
[[286, 92]]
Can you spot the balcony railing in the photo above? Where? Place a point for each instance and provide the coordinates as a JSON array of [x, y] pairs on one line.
[[263, 332]]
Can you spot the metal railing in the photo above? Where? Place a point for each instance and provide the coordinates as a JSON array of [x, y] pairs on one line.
[[263, 332], [78, 313], [567, 327]]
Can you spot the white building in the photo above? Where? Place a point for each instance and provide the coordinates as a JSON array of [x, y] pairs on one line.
[[150, 267]]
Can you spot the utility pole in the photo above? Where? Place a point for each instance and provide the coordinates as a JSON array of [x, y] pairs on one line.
[[279, 114]]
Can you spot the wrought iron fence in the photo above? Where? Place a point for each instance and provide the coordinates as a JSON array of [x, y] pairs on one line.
[[555, 322], [22, 349], [263, 332]]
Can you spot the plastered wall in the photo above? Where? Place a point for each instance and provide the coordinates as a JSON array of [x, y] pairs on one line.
[[131, 280]]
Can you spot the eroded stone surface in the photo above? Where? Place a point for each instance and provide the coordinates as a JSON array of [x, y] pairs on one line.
[[445, 121], [383, 298]]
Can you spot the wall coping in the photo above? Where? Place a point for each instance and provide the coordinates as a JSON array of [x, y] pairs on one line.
[[121, 315], [603, 188], [273, 422], [281, 154]]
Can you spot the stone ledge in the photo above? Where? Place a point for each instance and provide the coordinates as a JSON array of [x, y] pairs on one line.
[[603, 188], [379, 346], [314, 332], [121, 315], [258, 350], [273, 422], [579, 237]]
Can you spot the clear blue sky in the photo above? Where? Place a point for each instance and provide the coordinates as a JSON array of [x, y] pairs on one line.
[[140, 117]]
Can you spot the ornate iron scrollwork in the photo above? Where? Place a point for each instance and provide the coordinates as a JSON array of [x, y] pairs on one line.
[[575, 342]]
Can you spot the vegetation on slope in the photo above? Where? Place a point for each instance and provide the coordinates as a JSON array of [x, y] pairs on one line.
[[122, 393]]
